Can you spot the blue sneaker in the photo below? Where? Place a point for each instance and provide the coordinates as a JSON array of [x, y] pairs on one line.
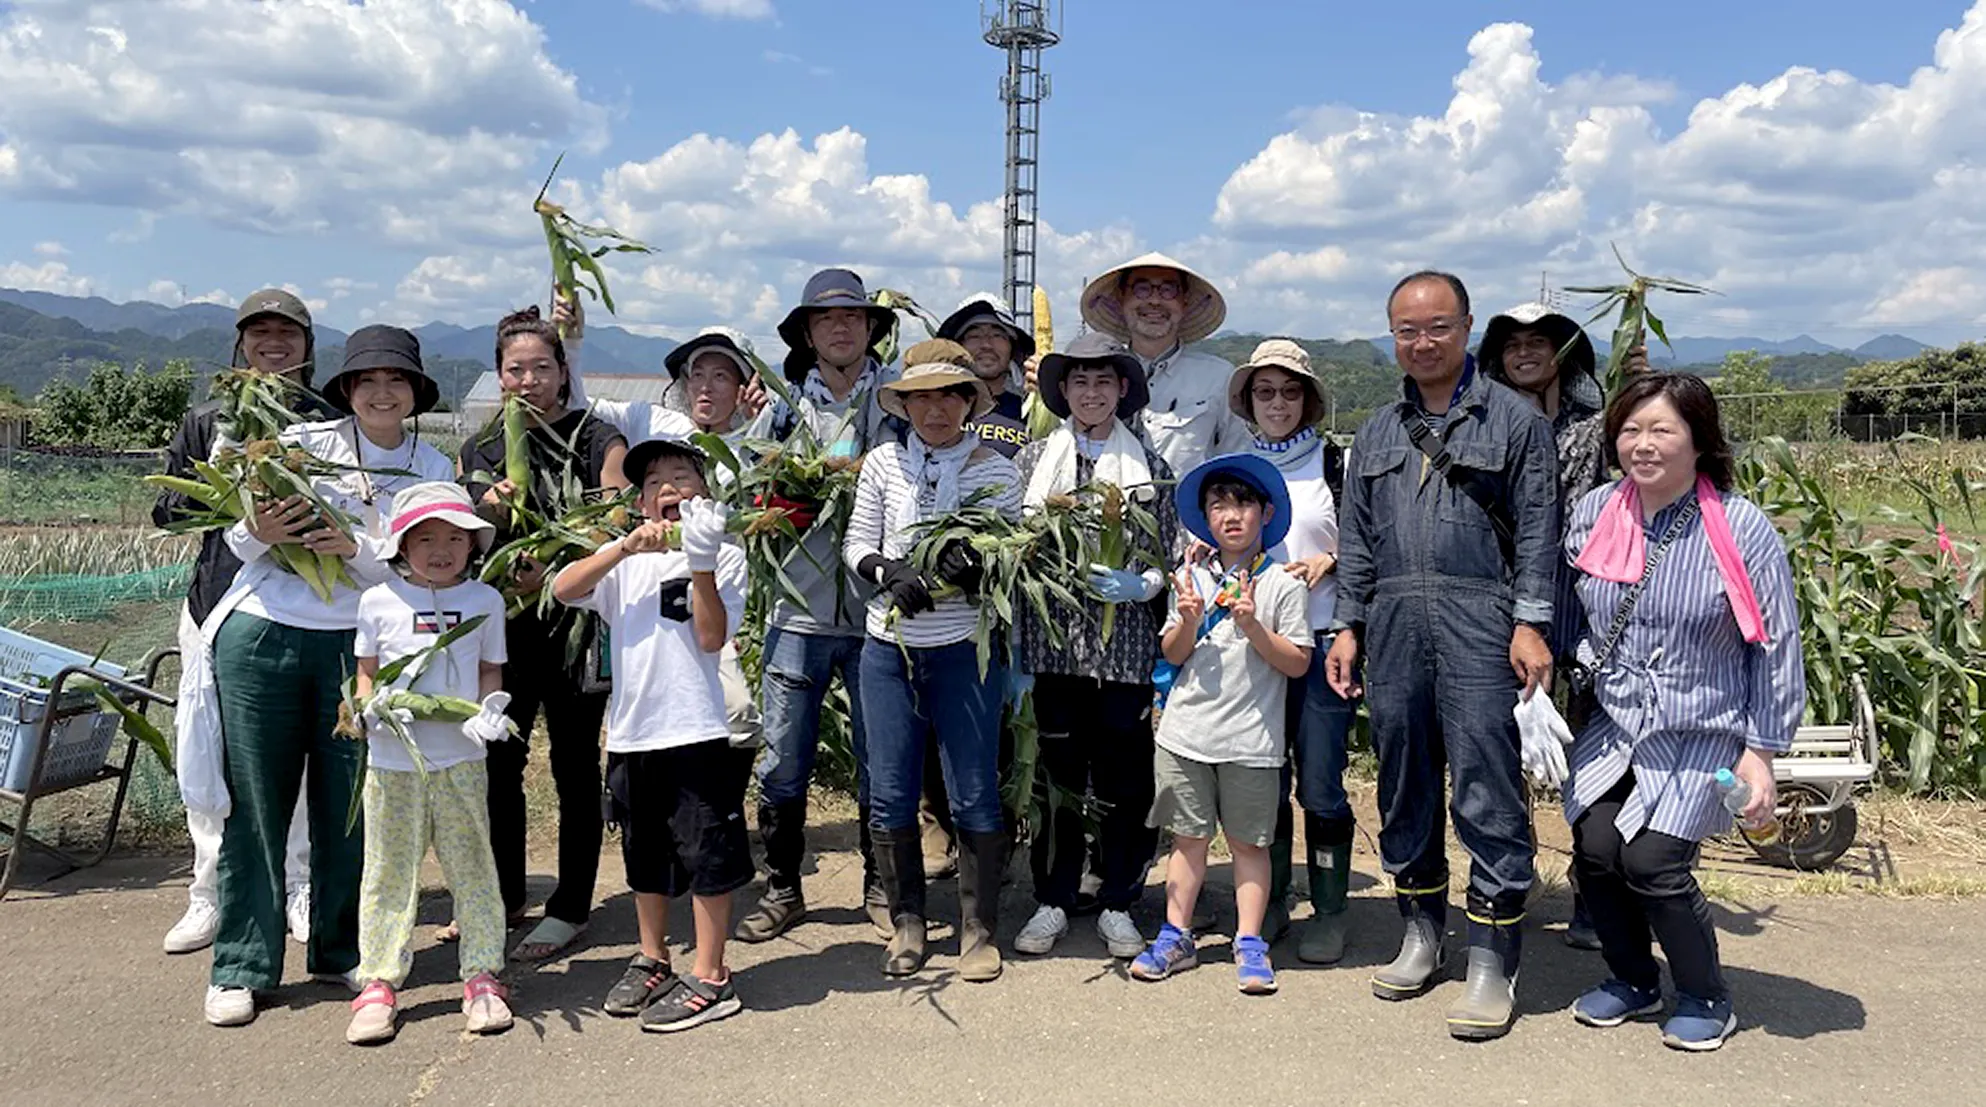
[[1172, 951], [1614, 1002], [1699, 1025], [1251, 966]]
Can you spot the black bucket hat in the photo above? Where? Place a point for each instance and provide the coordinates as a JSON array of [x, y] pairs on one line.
[[382, 347], [986, 308], [1094, 348], [281, 304], [635, 463], [829, 288], [723, 340]]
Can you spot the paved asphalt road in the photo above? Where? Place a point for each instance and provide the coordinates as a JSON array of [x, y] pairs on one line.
[[1844, 1000]]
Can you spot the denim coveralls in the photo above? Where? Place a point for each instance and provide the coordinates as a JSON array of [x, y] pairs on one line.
[[1421, 572]]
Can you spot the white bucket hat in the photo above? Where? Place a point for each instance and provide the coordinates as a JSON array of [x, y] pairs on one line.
[[436, 499], [1201, 315]]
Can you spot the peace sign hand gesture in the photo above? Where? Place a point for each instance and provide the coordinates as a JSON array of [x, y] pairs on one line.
[[1243, 608], [1190, 606]]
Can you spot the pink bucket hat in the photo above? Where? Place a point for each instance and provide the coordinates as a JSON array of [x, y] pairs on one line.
[[436, 499]]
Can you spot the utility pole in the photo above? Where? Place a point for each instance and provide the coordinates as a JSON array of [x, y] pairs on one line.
[[1022, 28]]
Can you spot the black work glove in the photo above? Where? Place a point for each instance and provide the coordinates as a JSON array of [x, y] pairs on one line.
[[959, 564], [905, 586]]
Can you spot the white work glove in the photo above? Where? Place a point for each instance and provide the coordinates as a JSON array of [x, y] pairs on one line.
[[1542, 737], [703, 532], [490, 724], [376, 713]]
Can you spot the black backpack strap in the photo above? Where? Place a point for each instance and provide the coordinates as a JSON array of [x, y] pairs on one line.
[[1467, 481]]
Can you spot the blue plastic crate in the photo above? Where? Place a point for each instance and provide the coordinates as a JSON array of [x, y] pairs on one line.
[[79, 745]]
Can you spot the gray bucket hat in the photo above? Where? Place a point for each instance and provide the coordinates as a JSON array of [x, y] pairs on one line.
[[829, 288], [1093, 348], [1275, 353]]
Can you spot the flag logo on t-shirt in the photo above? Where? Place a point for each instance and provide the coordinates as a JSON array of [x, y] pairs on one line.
[[433, 622]]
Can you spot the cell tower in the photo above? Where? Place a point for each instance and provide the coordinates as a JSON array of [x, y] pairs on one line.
[[1023, 28]]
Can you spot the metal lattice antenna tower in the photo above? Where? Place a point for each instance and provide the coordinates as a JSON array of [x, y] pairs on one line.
[[1023, 28]]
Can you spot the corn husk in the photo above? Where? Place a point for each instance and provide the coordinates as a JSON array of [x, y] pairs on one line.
[[576, 263], [1633, 319]]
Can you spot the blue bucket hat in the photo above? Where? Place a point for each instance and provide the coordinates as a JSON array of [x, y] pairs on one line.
[[829, 288], [1256, 472]]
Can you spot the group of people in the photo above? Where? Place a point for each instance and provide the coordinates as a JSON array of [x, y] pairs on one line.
[[1466, 558]]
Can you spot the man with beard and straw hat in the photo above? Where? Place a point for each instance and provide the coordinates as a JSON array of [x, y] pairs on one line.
[[1159, 307], [835, 382], [273, 335], [1546, 357]]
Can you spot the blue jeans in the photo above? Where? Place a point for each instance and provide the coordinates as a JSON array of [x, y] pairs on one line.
[[798, 668], [1318, 722], [939, 692]]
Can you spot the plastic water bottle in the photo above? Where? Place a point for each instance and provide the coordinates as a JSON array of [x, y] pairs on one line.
[[1736, 794]]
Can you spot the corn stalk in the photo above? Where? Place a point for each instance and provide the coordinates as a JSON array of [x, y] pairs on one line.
[[902, 303], [575, 262], [423, 708], [1633, 317], [1890, 598]]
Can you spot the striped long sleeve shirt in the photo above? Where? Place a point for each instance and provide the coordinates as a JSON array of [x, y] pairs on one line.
[[1683, 693], [882, 488]]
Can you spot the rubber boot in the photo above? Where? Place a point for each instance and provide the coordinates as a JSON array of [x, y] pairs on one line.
[[782, 830], [940, 860], [900, 865], [1276, 916], [1422, 954], [1330, 884], [981, 858], [1489, 997], [875, 898]]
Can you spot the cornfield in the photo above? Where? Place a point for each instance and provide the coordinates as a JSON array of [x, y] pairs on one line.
[[53, 552], [1891, 596]]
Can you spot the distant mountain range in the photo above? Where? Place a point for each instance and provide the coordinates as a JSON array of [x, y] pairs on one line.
[[39, 330], [609, 349]]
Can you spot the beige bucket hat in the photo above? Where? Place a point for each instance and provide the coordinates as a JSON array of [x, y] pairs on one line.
[[932, 364], [1275, 353], [1103, 304]]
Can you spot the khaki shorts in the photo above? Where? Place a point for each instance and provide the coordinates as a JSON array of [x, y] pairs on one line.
[[1193, 797]]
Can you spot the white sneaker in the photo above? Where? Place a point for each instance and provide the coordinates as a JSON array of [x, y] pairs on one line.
[[347, 980], [195, 929], [297, 910], [229, 1006], [1042, 931], [1120, 935]]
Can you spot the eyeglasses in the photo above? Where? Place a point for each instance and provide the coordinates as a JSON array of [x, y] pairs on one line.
[[1441, 330], [1150, 289], [1267, 393]]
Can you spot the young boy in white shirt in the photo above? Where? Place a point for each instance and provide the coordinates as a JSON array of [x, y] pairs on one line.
[[1239, 630], [672, 594]]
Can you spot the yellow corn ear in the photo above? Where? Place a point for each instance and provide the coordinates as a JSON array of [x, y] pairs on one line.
[[1044, 323]]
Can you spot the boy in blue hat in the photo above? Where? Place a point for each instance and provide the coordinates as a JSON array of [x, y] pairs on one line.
[[1240, 629]]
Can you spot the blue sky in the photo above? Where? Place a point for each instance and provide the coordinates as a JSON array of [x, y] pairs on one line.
[[379, 158]]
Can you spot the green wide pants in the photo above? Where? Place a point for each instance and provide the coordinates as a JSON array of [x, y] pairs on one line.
[[279, 688]]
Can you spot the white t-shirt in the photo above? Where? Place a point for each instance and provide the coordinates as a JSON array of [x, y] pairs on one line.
[[667, 691], [1227, 700], [639, 420], [1313, 531], [401, 618]]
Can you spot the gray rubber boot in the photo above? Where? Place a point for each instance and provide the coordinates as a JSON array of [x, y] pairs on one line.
[[1323, 941], [1422, 954], [1489, 997], [900, 866]]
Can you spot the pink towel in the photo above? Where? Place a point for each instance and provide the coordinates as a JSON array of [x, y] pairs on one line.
[[1617, 550]]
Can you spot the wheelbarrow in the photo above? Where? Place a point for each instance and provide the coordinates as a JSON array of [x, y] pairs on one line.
[[1817, 781]]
